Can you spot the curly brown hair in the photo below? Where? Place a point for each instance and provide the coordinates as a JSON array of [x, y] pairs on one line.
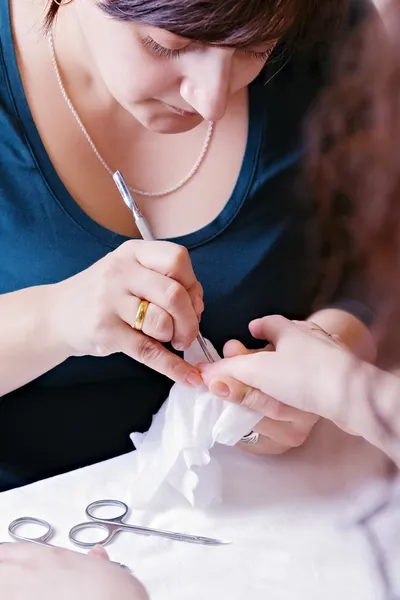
[[354, 165], [355, 155]]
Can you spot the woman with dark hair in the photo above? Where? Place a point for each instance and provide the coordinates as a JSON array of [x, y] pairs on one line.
[[354, 141], [201, 105]]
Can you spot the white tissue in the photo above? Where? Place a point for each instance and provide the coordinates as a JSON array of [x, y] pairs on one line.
[[175, 452]]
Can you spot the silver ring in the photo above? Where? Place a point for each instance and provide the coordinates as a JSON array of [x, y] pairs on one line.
[[250, 438]]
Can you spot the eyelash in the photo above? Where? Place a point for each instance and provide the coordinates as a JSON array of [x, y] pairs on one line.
[[263, 56], [168, 53]]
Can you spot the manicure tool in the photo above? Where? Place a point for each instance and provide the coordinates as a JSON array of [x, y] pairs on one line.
[[43, 539], [114, 525], [147, 235], [111, 525]]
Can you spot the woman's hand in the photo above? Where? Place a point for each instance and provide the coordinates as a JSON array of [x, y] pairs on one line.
[[48, 573], [95, 311], [287, 382]]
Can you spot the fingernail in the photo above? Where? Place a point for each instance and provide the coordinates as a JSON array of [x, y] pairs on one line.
[[198, 304], [194, 379], [179, 347], [220, 389]]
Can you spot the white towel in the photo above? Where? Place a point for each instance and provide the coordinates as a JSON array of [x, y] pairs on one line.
[[175, 452]]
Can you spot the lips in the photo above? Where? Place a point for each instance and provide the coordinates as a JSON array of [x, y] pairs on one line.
[[181, 111]]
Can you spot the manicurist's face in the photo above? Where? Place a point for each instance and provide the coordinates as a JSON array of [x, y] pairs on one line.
[[168, 83]]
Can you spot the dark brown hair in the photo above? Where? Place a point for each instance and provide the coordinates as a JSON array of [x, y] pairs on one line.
[[355, 154], [230, 22]]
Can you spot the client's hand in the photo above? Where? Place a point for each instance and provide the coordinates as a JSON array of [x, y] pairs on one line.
[[306, 370], [282, 427], [32, 572]]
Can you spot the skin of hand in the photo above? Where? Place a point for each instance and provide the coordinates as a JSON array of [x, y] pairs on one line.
[[94, 312], [282, 427], [305, 370], [30, 571], [352, 333], [325, 378]]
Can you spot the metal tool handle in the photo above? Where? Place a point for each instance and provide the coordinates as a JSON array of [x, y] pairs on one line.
[[41, 539], [111, 525], [145, 230], [147, 235], [203, 346], [93, 506], [110, 529]]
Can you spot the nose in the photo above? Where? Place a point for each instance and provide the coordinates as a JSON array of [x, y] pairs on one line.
[[208, 86]]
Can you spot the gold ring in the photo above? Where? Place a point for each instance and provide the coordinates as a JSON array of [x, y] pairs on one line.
[[141, 314], [61, 3]]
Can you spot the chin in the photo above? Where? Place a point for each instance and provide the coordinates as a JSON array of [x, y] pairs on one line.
[[170, 124], [160, 120], [173, 128], [165, 122]]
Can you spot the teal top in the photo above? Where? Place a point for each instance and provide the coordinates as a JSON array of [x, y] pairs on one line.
[[260, 255]]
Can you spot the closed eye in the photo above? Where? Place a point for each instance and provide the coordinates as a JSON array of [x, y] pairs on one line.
[[263, 56], [171, 53], [162, 51]]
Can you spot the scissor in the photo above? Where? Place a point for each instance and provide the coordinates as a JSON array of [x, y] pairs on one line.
[[147, 234], [42, 540], [114, 525]]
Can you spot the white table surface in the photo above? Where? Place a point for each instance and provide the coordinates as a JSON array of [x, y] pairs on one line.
[[290, 518]]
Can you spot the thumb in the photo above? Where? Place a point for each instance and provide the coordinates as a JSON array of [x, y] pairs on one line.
[[235, 348], [271, 328]]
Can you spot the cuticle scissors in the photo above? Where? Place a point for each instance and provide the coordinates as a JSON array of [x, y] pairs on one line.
[[112, 526], [115, 525]]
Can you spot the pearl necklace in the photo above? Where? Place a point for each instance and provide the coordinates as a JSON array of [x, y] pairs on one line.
[[170, 190]]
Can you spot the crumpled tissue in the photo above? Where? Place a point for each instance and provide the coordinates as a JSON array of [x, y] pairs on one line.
[[175, 452]]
